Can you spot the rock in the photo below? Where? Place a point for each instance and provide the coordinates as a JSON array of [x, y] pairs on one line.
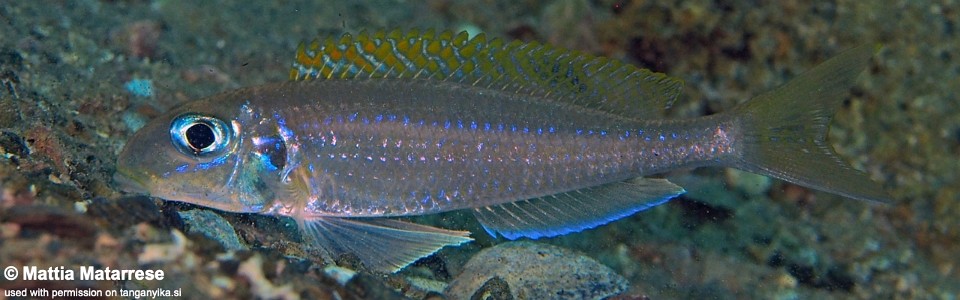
[[213, 226], [536, 271]]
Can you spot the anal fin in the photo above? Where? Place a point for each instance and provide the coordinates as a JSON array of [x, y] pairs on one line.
[[575, 211], [381, 244]]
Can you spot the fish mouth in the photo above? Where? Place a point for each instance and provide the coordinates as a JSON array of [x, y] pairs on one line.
[[128, 183]]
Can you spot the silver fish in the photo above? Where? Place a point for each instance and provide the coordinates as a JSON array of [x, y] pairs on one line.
[[536, 141]]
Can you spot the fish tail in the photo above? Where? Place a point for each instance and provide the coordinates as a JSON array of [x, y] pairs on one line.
[[784, 130]]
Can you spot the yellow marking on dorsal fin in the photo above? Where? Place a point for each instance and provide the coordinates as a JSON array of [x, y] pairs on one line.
[[528, 68]]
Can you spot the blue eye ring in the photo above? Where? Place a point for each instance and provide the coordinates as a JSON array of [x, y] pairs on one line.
[[200, 135]]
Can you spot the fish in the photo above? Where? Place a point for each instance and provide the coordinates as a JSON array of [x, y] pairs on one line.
[[534, 140]]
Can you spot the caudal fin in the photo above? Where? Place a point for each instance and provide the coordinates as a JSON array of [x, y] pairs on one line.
[[785, 130]]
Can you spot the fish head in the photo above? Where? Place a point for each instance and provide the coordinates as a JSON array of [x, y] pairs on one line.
[[195, 154]]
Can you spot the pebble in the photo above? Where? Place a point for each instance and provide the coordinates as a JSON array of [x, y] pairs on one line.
[[140, 87], [537, 271], [213, 226]]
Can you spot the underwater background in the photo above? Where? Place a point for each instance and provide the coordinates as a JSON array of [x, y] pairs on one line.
[[77, 78]]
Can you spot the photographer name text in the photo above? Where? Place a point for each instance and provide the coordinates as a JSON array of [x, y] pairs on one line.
[[88, 273]]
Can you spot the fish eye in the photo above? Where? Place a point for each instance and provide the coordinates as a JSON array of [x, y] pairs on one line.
[[199, 135]]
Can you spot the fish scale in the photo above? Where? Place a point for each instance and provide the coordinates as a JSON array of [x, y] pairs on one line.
[[481, 157], [536, 141]]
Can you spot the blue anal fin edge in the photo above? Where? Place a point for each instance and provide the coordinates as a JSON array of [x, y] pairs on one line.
[[575, 211]]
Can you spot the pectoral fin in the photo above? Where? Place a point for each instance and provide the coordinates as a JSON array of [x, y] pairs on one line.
[[576, 210], [381, 244]]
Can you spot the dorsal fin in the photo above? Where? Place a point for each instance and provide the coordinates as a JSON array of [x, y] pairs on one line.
[[568, 76]]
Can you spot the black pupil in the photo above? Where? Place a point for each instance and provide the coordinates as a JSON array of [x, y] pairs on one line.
[[200, 136]]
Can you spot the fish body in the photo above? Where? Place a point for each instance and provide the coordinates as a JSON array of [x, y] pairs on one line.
[[537, 141]]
